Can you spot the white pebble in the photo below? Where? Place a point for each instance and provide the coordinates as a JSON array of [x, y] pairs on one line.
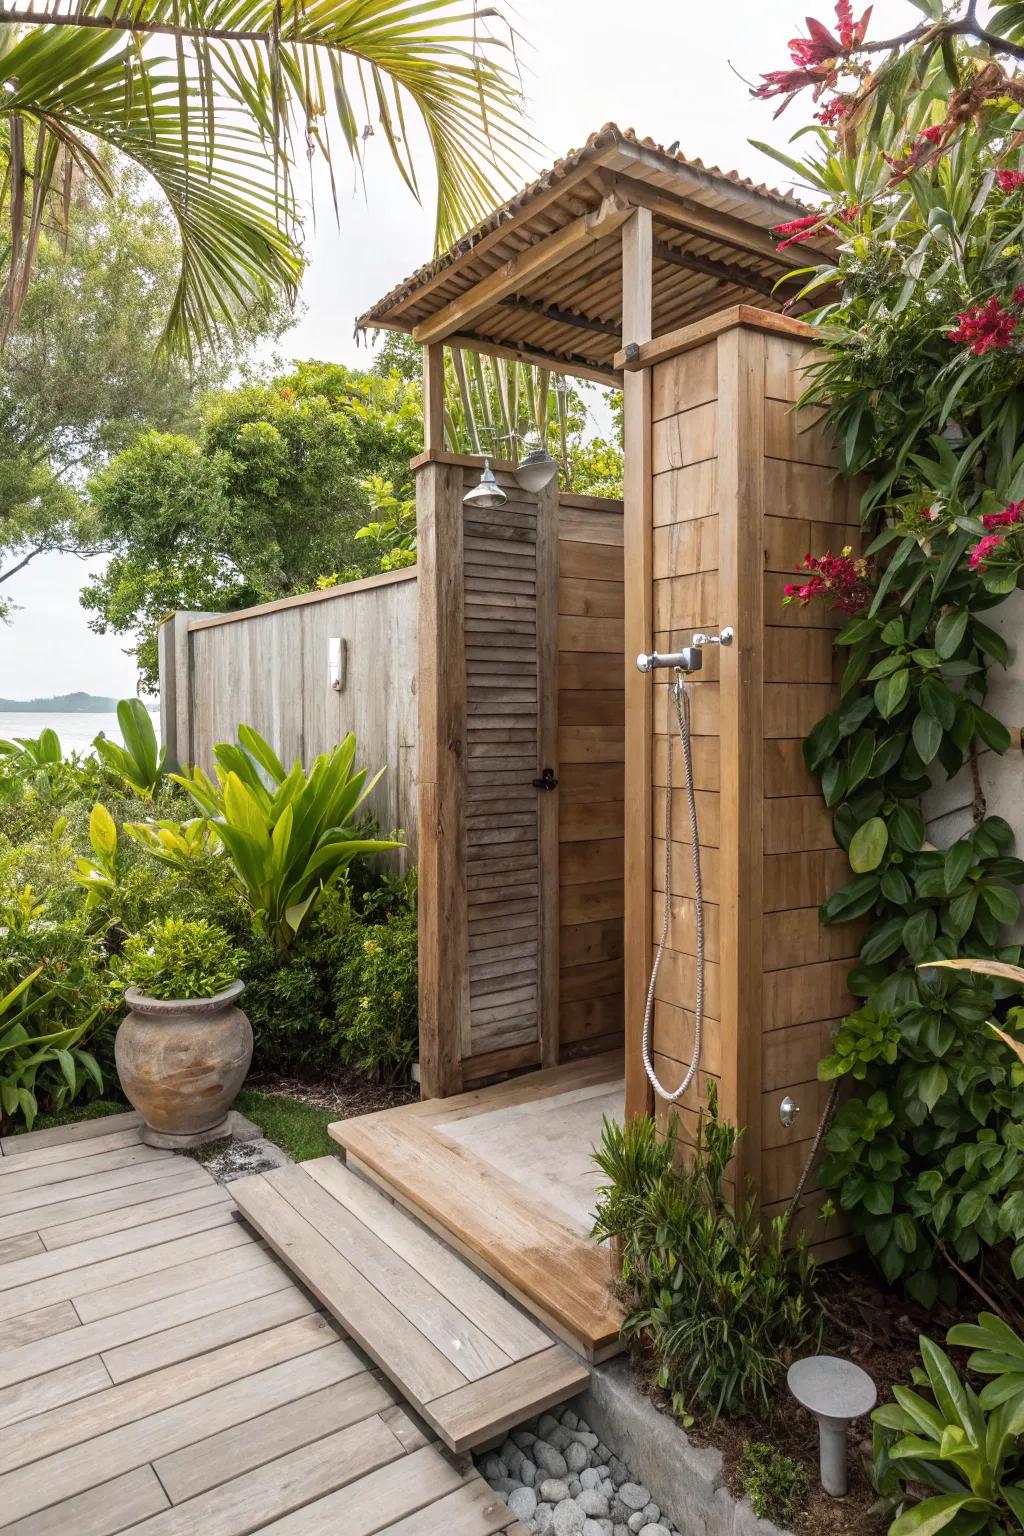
[[568, 1519], [597, 1528], [634, 1495], [593, 1503], [652, 1514], [590, 1477], [655, 1530], [576, 1457], [569, 1419], [523, 1503], [552, 1490], [542, 1518]]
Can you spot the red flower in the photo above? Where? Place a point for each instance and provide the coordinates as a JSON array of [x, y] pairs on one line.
[[933, 134], [1009, 517], [821, 45], [851, 33], [798, 230], [833, 111], [1009, 181], [843, 578], [984, 327], [984, 548], [789, 82], [1018, 297]]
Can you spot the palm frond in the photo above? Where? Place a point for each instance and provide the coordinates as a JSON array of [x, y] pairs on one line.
[[209, 97]]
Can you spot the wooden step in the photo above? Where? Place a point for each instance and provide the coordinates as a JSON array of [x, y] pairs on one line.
[[466, 1358]]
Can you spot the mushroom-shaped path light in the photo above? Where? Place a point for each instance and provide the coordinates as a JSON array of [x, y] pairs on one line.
[[836, 1392]]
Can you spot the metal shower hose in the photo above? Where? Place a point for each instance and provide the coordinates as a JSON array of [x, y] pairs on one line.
[[681, 695]]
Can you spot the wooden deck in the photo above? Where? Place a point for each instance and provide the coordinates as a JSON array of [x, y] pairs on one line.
[[161, 1372], [505, 1175]]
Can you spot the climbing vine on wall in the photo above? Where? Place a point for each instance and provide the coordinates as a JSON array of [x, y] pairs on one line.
[[916, 249]]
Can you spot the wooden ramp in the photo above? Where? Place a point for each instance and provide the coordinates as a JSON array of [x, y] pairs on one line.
[[468, 1360], [162, 1374], [505, 1206]]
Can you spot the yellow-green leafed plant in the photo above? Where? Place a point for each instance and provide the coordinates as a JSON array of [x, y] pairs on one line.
[[178, 843], [285, 843], [51, 1065], [997, 968], [98, 876], [140, 762]]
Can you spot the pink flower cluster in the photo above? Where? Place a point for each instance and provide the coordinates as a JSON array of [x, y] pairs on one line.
[[1011, 517], [816, 56], [1009, 181], [844, 579], [986, 326]]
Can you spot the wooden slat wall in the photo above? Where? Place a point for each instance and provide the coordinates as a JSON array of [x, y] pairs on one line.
[[686, 597], [806, 508], [744, 487], [503, 810], [591, 748]]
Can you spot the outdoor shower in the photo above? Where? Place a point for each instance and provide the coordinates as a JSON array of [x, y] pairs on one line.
[[690, 659]]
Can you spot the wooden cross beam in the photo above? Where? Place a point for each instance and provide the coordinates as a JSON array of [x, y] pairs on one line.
[[739, 276], [564, 316], [523, 269]]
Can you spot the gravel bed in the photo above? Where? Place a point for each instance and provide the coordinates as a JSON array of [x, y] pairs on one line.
[[559, 1480]]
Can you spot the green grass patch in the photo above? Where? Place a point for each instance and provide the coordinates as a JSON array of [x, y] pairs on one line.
[[299, 1129], [97, 1110]]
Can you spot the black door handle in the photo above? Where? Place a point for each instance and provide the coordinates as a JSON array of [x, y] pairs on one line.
[[547, 780]]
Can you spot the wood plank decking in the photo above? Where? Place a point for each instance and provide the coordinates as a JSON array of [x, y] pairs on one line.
[[162, 1373], [466, 1358], [501, 1211]]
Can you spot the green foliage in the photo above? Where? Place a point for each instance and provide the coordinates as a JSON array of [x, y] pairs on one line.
[[719, 1302], [38, 1062], [775, 1484], [140, 762], [299, 1129], [963, 1449], [377, 1000], [927, 1154], [267, 498], [99, 876], [178, 958], [284, 846]]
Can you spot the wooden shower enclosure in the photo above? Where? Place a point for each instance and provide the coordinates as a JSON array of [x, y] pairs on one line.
[[542, 906]]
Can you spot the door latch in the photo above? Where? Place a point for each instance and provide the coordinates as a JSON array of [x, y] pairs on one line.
[[547, 780]]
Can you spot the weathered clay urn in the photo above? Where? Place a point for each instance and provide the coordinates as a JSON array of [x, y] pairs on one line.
[[181, 1062]]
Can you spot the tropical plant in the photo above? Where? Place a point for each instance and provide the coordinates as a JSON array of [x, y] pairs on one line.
[[718, 1300], [139, 764], [41, 1063], [915, 261], [99, 876], [212, 118], [178, 958], [964, 1450], [285, 844], [376, 999]]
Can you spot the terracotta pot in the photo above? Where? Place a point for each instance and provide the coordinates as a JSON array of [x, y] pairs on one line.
[[182, 1062]]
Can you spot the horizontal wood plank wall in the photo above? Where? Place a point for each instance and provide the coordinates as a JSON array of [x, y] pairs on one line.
[[807, 508], [268, 668], [591, 749], [744, 487], [686, 597]]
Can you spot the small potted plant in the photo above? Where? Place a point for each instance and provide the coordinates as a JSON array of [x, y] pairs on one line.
[[183, 1049]]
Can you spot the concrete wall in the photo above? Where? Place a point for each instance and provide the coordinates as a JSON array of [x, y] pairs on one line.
[[268, 667], [949, 806]]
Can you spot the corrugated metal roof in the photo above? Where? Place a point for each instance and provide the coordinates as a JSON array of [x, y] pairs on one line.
[[718, 190]]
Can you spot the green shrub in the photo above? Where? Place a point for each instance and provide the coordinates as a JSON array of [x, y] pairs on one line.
[[139, 763], [377, 1000], [962, 1450], [178, 958], [775, 1484], [718, 1301], [40, 1064]]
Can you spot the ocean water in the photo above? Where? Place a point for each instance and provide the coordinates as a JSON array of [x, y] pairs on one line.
[[76, 731]]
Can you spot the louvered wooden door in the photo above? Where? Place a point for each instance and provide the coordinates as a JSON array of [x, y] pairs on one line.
[[510, 824]]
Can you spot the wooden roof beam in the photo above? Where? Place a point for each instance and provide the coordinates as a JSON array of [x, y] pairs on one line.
[[523, 269], [564, 316], [698, 220], [756, 282]]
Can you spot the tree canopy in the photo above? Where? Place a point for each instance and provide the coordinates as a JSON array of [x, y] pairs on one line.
[[268, 498]]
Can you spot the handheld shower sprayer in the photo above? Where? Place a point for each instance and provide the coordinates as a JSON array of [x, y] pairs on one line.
[[683, 663]]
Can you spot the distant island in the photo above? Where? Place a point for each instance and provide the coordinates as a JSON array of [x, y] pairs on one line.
[[62, 704]]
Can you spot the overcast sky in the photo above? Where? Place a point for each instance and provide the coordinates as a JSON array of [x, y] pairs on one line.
[[668, 68]]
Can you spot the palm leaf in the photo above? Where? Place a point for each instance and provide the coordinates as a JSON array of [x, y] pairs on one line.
[[208, 95]]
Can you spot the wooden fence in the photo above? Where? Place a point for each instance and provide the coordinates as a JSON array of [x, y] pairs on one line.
[[270, 667]]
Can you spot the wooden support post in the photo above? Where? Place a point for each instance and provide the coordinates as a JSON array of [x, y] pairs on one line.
[[547, 757], [637, 323], [443, 926], [740, 501], [433, 396]]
